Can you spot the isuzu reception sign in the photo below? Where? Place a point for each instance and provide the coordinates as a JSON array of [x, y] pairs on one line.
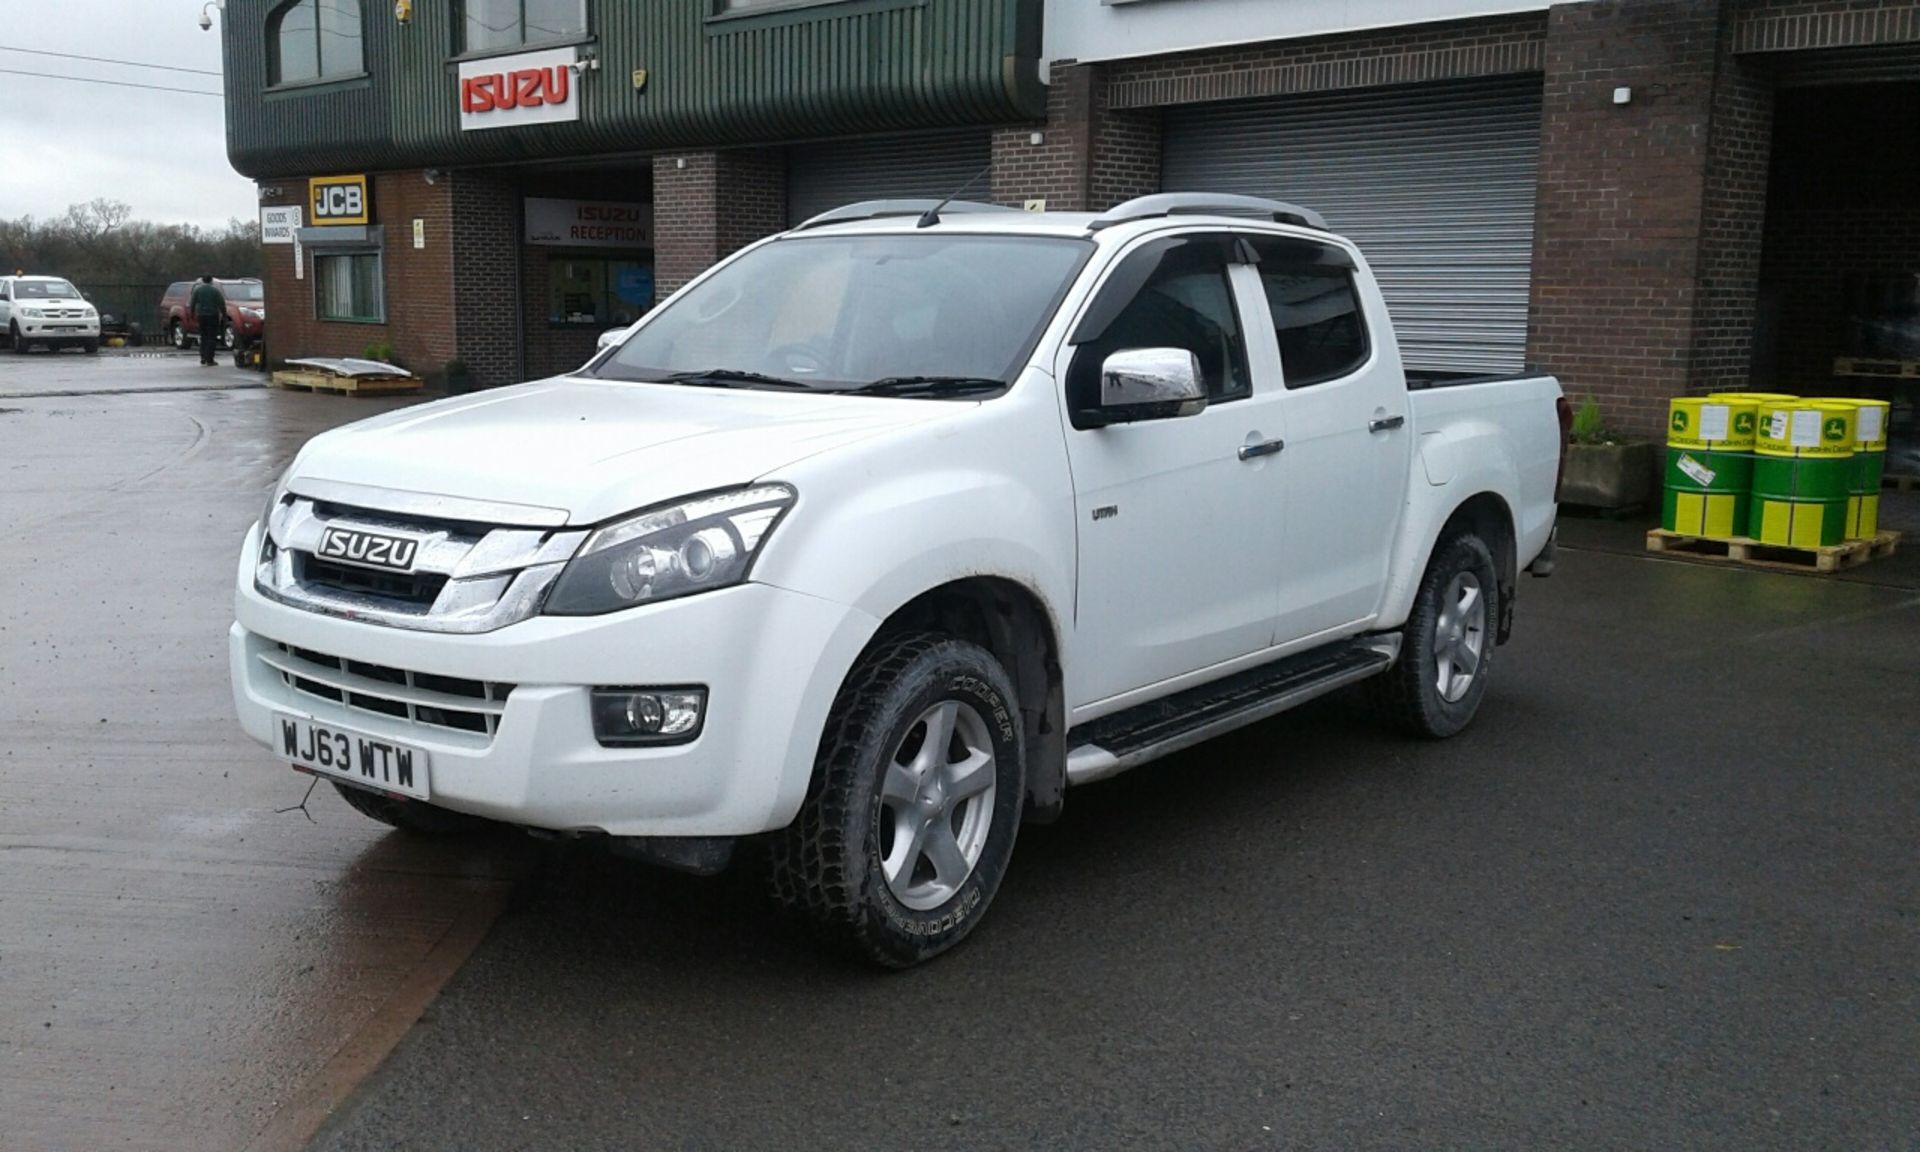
[[589, 223], [514, 91]]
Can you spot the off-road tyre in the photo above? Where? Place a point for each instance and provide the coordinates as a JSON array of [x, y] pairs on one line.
[[16, 341], [1407, 696], [405, 814], [825, 868], [91, 347], [177, 336]]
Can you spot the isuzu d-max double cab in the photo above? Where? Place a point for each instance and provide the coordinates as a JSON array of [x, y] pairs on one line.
[[885, 533]]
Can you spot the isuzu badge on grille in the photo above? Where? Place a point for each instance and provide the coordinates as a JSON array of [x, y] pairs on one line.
[[371, 549]]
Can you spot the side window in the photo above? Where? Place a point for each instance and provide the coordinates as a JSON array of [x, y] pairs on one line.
[[1316, 310], [1170, 294]]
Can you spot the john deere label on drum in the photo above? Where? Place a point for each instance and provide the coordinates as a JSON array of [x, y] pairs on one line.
[[1702, 475]]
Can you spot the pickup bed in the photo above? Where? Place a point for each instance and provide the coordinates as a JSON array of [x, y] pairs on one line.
[[882, 535]]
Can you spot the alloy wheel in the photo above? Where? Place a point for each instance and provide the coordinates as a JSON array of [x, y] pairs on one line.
[[1459, 636], [936, 801]]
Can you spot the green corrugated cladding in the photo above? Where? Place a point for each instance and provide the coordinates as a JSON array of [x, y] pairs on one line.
[[834, 69]]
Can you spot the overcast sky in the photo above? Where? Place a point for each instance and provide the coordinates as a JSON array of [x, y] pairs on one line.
[[62, 142]]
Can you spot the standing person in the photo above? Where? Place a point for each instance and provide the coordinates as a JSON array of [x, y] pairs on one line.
[[209, 306]]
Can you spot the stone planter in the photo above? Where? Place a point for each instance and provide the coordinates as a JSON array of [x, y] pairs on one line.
[[1610, 477]]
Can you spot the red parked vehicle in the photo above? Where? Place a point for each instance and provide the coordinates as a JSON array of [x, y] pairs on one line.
[[246, 314]]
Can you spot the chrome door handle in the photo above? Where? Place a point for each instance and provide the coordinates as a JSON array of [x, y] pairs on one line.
[[1386, 423], [1264, 448]]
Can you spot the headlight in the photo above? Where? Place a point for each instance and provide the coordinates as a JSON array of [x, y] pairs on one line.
[[252, 313], [88, 313], [694, 546], [33, 312]]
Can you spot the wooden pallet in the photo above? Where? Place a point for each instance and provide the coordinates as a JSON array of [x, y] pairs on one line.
[[299, 380], [1879, 368], [1901, 483], [1754, 554]]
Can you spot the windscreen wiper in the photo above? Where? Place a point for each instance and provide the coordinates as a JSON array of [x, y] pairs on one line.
[[930, 386], [734, 378]]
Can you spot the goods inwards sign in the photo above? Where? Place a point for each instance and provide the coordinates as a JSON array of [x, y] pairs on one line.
[[513, 91], [589, 223]]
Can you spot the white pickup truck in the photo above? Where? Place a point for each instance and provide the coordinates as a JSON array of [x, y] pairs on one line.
[[878, 537]]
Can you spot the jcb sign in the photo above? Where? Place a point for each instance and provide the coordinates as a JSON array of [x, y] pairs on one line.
[[337, 199]]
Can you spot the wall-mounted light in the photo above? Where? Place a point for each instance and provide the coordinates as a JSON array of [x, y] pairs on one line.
[[1037, 139], [1623, 95], [403, 11], [206, 13], [270, 192]]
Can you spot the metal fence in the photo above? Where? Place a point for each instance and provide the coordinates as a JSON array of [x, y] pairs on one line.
[[130, 304]]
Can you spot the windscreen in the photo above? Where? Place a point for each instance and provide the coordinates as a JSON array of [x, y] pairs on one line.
[[836, 313], [44, 290], [242, 293]]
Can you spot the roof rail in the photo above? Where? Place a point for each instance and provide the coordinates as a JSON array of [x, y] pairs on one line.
[[880, 209], [1208, 204]]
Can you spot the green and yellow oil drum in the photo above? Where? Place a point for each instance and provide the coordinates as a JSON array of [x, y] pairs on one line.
[[1709, 465], [1869, 461], [1802, 472], [1756, 397]]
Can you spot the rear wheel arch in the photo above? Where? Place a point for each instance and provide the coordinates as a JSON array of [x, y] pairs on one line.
[[1487, 515]]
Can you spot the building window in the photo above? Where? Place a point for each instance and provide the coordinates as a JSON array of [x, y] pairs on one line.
[[487, 25], [310, 40], [596, 291], [350, 286]]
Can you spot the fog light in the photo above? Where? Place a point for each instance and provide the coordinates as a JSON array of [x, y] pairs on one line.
[[628, 716]]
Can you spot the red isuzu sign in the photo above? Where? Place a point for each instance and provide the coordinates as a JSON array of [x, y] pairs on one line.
[[512, 91]]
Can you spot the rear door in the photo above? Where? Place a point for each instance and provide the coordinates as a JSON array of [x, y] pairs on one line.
[[1345, 466], [1178, 535]]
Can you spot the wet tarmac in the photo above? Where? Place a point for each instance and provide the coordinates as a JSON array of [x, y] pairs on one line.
[[1662, 894], [181, 965]]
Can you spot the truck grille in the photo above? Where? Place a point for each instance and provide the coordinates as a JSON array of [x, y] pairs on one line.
[[446, 702], [463, 577], [416, 589]]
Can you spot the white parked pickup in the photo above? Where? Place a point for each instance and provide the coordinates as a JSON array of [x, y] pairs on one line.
[[883, 534]]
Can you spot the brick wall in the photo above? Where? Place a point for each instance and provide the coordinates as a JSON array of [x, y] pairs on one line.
[[1056, 169], [1617, 244], [421, 319], [1733, 219], [1792, 25], [486, 276], [706, 205], [1452, 50]]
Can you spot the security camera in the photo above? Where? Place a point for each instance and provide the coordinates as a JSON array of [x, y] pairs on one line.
[[206, 22]]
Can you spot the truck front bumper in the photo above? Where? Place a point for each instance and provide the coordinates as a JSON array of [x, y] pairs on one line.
[[58, 331], [771, 661]]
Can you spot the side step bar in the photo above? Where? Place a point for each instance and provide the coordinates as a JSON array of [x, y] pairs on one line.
[[1112, 744]]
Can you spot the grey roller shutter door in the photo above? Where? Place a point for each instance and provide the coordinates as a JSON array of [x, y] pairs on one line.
[[836, 172], [1435, 182]]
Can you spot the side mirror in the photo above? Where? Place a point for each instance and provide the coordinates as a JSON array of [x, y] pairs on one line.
[[1151, 384], [611, 337]]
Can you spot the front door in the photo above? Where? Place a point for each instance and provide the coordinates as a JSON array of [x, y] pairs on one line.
[[1348, 442], [1178, 534]]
